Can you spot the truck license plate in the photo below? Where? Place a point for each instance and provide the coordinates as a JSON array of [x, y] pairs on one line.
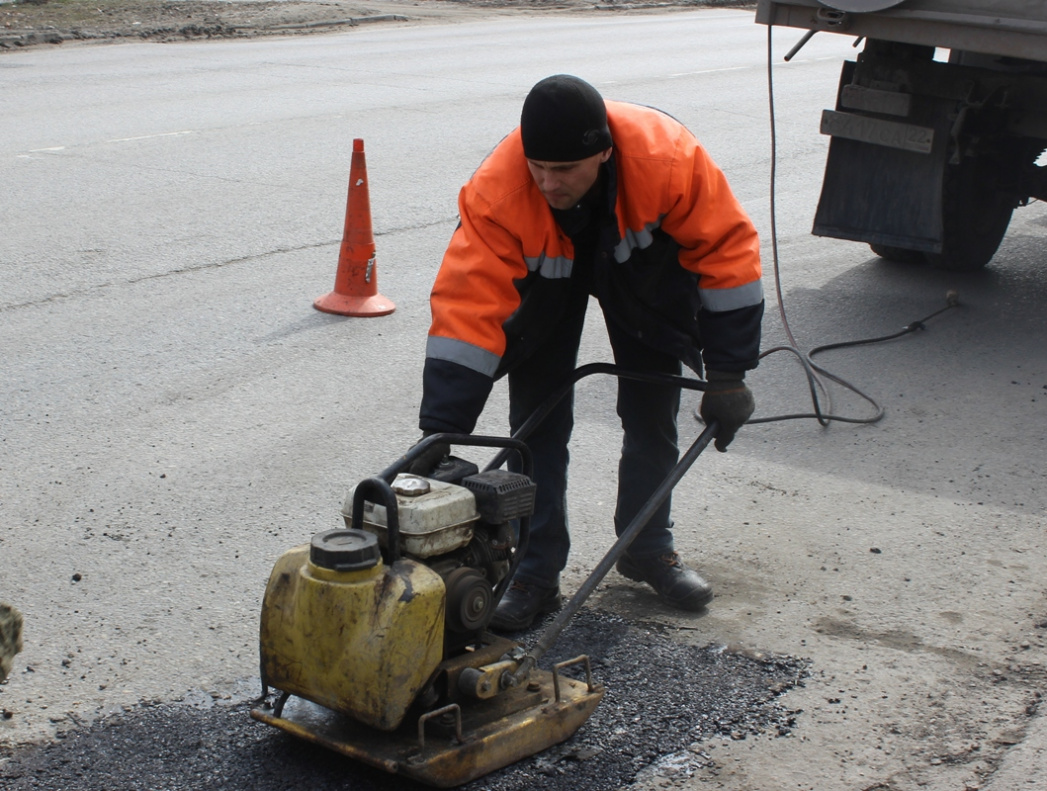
[[878, 132]]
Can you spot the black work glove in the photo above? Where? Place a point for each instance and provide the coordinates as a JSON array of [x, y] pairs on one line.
[[729, 402], [431, 458]]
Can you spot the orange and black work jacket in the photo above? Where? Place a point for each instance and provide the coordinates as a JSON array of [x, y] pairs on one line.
[[676, 263]]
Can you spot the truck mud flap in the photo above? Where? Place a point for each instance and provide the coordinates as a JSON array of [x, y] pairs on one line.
[[883, 177]]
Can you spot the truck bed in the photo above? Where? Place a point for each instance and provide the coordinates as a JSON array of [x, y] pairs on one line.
[[1014, 28]]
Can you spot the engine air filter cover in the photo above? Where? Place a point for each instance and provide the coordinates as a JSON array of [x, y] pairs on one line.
[[502, 495]]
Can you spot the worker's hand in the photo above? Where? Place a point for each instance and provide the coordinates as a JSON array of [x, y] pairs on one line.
[[431, 458], [729, 402]]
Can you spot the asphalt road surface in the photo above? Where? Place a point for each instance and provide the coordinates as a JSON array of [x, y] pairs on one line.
[[174, 415]]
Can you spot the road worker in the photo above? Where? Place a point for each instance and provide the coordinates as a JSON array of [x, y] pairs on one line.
[[620, 202]]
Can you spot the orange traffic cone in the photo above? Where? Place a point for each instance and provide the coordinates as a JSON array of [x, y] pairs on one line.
[[356, 281]]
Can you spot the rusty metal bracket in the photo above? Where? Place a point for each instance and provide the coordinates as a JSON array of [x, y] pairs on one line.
[[578, 660], [448, 709], [278, 707]]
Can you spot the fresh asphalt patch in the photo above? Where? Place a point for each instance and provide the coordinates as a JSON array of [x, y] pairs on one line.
[[666, 701]]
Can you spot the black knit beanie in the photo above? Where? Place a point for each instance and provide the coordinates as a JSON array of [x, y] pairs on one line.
[[564, 119]]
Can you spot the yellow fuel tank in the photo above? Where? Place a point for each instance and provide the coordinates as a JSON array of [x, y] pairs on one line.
[[342, 629]]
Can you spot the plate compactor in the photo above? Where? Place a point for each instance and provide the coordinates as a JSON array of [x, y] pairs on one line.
[[375, 637]]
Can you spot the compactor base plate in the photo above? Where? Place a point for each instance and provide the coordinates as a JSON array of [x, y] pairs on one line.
[[454, 745]]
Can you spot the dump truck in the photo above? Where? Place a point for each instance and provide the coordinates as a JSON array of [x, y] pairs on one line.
[[939, 124]]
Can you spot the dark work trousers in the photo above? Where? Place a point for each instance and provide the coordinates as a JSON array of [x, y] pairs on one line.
[[648, 415]]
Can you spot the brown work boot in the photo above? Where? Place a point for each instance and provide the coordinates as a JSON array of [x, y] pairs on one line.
[[522, 603], [672, 580]]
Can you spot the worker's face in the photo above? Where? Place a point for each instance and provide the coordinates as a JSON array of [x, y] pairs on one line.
[[564, 183]]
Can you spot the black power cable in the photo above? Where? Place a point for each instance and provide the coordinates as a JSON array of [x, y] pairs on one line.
[[816, 375]]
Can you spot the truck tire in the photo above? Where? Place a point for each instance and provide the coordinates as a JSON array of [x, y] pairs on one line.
[[975, 215], [899, 254]]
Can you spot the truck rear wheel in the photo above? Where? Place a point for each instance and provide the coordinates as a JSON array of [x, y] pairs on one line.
[[975, 215], [899, 254]]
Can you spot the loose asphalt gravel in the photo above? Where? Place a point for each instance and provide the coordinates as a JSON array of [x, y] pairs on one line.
[[666, 703]]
